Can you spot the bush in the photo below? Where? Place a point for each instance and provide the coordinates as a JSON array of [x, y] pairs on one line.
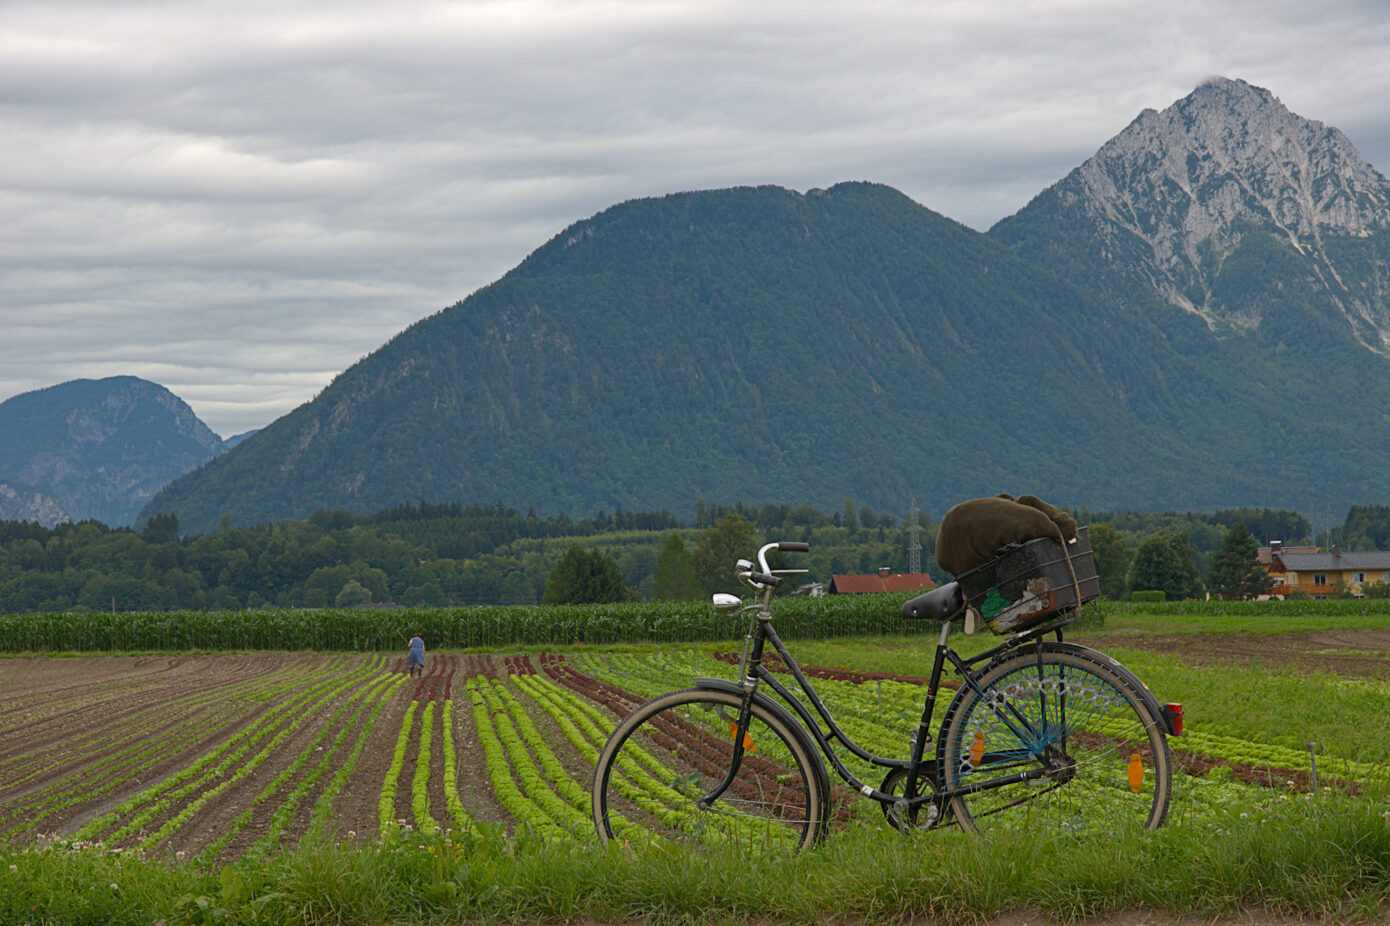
[[1148, 595], [1376, 589]]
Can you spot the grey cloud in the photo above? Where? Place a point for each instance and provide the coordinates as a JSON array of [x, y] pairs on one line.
[[240, 200]]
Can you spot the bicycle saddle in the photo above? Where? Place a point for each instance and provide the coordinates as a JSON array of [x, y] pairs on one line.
[[939, 604]]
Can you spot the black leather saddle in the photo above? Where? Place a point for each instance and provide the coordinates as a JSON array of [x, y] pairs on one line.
[[940, 604]]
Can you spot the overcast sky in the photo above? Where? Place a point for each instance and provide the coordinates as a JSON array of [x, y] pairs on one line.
[[239, 199]]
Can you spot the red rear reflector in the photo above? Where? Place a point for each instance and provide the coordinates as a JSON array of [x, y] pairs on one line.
[[1172, 712]]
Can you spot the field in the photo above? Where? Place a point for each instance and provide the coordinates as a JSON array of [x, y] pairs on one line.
[[317, 786], [210, 758]]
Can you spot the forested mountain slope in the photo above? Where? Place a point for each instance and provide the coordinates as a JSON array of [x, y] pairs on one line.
[[757, 344]]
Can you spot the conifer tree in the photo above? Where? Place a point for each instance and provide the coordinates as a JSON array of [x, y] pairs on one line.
[[733, 537], [586, 577], [1236, 573]]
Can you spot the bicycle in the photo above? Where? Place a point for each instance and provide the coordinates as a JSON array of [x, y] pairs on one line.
[[1040, 732]]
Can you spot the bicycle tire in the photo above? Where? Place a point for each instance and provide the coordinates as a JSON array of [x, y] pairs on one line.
[[1078, 716], [674, 749]]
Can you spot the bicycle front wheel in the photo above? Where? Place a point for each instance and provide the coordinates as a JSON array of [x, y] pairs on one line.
[[1057, 737], [657, 770]]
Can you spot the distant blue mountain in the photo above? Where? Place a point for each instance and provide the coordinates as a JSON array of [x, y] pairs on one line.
[[235, 439], [95, 449]]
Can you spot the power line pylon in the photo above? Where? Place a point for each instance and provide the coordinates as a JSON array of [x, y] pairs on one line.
[[914, 541]]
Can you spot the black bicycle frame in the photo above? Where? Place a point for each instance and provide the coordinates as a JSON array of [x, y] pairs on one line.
[[755, 673]]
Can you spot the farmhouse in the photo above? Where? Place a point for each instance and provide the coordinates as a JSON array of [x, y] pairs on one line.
[[1323, 575], [885, 580]]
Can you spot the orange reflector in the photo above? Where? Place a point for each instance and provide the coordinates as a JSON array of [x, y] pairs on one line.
[[1136, 773], [977, 749], [747, 739]]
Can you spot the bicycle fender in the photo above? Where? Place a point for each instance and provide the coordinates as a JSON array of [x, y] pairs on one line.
[[782, 714], [1149, 698], [762, 700]]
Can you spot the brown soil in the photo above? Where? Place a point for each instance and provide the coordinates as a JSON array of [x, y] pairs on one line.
[[1351, 653]]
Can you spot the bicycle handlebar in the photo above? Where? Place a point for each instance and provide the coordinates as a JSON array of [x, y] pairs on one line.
[[785, 546], [765, 578]]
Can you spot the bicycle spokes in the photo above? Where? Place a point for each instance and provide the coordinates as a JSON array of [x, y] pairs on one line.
[[1065, 736]]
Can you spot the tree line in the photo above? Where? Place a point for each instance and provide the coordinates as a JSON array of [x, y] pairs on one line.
[[422, 554], [451, 554]]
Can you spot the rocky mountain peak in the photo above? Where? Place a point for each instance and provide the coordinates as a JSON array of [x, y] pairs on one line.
[[1192, 180], [1230, 144]]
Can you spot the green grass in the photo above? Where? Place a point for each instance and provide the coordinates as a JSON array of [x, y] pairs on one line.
[[1257, 617], [1324, 857], [1343, 716]]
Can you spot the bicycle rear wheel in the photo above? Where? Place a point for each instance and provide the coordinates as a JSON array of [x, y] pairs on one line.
[[668, 755], [1075, 722]]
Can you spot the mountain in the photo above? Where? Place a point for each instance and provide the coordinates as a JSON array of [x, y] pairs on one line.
[[749, 344], [760, 345], [230, 442], [1258, 242], [1231, 208], [95, 449], [1194, 318]]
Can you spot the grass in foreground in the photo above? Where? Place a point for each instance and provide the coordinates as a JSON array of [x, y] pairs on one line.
[[1323, 857]]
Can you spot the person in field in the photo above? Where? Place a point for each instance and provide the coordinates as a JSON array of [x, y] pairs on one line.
[[415, 656]]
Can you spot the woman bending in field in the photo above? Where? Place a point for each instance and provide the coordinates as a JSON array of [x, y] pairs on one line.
[[415, 656]]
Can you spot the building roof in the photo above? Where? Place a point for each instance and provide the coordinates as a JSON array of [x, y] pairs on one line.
[[1267, 554], [879, 582], [1334, 562]]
